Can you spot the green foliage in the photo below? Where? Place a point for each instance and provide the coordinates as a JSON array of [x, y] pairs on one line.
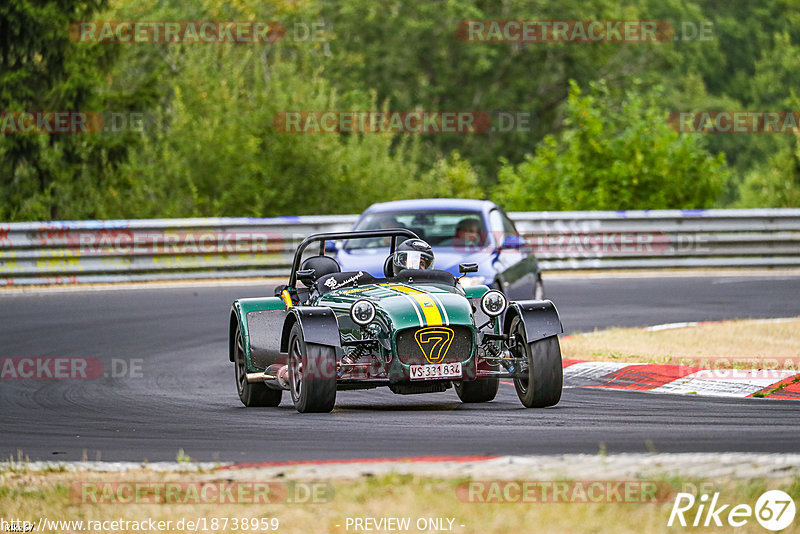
[[182, 457], [410, 53], [217, 146], [41, 69], [776, 183], [210, 147], [450, 177], [613, 155]]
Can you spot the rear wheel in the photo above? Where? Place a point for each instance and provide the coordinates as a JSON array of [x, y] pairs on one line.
[[312, 374], [481, 390], [543, 383], [256, 394]]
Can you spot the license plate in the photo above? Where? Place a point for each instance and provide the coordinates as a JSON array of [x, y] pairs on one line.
[[436, 370]]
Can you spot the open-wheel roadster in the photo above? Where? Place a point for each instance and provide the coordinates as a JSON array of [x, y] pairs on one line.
[[414, 331]]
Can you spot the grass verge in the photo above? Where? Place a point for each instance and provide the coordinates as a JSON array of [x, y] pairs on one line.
[[742, 344], [31, 495]]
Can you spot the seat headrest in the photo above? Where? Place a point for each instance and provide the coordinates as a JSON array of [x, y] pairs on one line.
[[387, 266], [322, 265]]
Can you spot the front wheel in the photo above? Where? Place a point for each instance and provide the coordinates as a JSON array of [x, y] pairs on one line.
[[481, 390], [544, 381], [257, 394], [312, 374]]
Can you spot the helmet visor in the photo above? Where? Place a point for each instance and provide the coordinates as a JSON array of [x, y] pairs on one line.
[[412, 259]]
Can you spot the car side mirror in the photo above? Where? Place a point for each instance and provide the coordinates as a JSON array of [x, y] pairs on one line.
[[513, 241], [465, 268], [306, 276], [330, 246]]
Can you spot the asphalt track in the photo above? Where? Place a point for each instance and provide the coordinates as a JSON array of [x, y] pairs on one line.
[[185, 397]]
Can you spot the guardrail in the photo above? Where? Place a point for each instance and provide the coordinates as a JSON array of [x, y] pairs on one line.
[[69, 252]]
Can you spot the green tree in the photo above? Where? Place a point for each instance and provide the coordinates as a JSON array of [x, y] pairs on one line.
[[210, 148], [613, 155], [216, 150], [775, 184], [450, 177], [411, 54], [45, 175], [749, 64]]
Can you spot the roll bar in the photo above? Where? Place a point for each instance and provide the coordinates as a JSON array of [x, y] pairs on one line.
[[394, 233]]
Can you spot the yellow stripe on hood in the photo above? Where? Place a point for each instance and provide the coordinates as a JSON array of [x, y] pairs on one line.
[[428, 306]]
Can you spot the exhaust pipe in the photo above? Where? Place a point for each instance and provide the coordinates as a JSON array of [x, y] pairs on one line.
[[255, 378], [276, 376]]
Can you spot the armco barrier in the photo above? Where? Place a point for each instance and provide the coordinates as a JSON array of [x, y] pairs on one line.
[[65, 252]]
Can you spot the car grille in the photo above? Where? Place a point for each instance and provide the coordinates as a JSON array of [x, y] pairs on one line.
[[410, 353]]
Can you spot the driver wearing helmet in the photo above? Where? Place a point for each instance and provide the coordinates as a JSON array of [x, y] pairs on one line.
[[412, 254]]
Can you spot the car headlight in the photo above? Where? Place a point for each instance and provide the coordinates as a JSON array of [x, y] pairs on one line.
[[363, 312], [471, 281], [493, 303]]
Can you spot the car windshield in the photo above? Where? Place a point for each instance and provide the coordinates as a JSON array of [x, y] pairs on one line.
[[439, 228]]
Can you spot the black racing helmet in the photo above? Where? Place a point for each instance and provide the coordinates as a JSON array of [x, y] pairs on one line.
[[412, 254]]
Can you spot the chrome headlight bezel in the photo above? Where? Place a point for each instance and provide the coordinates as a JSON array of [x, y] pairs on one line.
[[493, 294], [370, 314]]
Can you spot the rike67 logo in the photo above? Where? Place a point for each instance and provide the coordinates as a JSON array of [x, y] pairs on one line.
[[774, 510]]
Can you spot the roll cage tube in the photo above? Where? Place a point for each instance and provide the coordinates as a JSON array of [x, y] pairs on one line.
[[394, 233]]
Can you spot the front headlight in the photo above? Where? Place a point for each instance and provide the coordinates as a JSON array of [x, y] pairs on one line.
[[472, 281], [493, 303], [363, 312]]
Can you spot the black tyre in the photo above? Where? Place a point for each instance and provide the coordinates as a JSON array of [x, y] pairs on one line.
[[481, 390], [543, 384], [256, 394], [312, 374]]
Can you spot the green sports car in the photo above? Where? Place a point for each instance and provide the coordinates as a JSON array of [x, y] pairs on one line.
[[415, 331]]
